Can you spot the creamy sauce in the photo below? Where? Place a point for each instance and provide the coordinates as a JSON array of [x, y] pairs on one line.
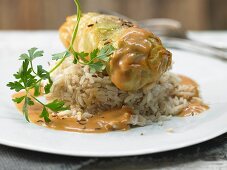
[[188, 81], [195, 107], [140, 59], [117, 119]]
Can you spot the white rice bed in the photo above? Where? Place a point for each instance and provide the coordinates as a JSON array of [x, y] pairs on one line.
[[87, 94]]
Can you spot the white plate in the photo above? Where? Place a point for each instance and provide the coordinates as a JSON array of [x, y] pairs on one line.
[[209, 73]]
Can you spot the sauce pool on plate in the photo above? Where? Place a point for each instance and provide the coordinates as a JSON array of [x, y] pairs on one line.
[[116, 119], [195, 107]]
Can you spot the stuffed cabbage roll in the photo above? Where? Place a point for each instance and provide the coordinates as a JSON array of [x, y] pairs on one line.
[[139, 59]]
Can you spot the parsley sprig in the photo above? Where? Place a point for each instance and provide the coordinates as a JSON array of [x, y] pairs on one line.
[[28, 77]]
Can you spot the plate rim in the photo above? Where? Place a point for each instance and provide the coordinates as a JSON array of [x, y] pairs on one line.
[[110, 154]]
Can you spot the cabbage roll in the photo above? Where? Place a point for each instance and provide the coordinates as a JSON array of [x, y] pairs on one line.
[[139, 59]]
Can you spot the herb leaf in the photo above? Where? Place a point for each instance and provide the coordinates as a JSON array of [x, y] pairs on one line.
[[94, 53], [47, 88], [19, 99], [32, 54], [27, 102], [23, 57], [42, 73], [25, 74], [45, 115], [98, 58], [17, 86], [81, 55], [60, 55], [57, 106], [105, 52], [97, 67], [37, 89]]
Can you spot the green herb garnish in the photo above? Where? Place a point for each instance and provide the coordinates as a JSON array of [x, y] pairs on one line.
[[97, 58], [28, 77]]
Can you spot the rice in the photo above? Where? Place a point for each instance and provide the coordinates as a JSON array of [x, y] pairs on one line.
[[88, 94]]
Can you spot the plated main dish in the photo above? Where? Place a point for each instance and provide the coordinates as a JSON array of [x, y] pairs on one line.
[[113, 76]]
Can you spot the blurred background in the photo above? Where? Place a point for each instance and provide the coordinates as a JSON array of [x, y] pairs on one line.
[[49, 14]]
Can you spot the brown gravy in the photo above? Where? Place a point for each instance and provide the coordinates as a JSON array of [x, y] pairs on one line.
[[195, 107], [117, 119]]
